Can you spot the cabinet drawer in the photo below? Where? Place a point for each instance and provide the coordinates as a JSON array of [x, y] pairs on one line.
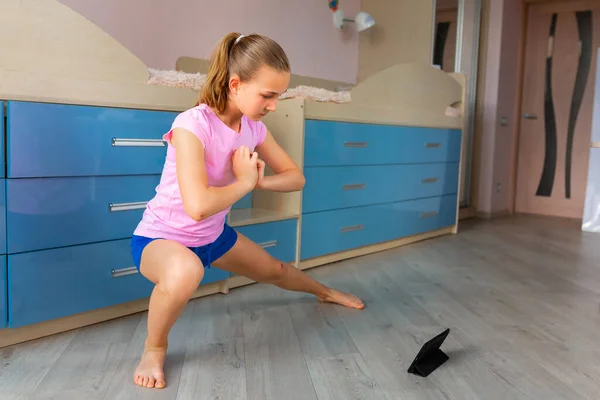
[[329, 143], [53, 212], [2, 136], [3, 295], [277, 238], [47, 140], [330, 188], [3, 216], [49, 284], [339, 230]]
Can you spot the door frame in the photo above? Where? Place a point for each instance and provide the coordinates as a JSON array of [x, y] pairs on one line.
[[514, 157], [525, 4], [475, 12]]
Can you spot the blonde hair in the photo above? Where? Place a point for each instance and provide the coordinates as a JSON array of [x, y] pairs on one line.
[[242, 56]]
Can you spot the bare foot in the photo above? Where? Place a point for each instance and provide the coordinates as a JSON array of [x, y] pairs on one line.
[[149, 372], [345, 299]]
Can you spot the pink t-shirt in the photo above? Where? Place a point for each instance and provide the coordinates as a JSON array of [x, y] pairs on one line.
[[164, 216]]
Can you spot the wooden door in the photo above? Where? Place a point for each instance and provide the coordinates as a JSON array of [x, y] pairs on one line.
[[556, 115]]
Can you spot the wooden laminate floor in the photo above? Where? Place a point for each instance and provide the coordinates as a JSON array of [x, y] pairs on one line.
[[521, 296]]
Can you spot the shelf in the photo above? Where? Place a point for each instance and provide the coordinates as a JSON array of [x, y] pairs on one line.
[[252, 216]]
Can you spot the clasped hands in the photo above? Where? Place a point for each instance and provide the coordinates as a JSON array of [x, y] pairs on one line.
[[247, 167]]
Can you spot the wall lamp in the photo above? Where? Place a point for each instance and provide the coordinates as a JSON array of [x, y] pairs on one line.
[[362, 20]]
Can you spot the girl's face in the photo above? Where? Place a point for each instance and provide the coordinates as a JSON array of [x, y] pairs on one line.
[[258, 97]]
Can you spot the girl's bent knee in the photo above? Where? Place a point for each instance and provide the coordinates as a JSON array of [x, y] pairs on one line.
[[181, 279]]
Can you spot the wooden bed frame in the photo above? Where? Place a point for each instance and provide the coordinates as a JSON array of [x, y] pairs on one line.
[[50, 53]]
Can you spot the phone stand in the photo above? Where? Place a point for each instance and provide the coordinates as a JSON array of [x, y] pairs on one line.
[[430, 357]]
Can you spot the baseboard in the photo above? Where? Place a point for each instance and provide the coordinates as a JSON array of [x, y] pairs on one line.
[[552, 217], [239, 281], [488, 216], [466, 213]]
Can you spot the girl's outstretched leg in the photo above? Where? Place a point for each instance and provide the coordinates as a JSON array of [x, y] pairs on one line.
[[252, 261], [177, 272]]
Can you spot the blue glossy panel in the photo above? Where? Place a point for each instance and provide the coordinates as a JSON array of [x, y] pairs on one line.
[[278, 238], [244, 202], [49, 284], [334, 231], [3, 295], [53, 212], [591, 208], [2, 136], [330, 188], [329, 143], [3, 216], [46, 140]]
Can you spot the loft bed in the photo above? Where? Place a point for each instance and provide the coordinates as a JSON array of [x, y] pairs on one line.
[[52, 55]]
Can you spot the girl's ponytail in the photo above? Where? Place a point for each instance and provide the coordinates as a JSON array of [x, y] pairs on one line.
[[214, 89]]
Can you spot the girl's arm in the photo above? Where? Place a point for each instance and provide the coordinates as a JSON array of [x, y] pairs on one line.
[[288, 176], [200, 200]]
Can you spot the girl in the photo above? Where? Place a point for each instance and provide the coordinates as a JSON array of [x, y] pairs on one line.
[[211, 163]]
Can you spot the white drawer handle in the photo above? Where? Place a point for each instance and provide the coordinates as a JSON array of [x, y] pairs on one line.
[[117, 273], [595, 144], [270, 243], [356, 144], [353, 228], [433, 145], [138, 142], [430, 180], [357, 186], [127, 206], [429, 214]]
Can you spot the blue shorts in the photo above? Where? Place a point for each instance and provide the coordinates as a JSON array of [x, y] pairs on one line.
[[207, 253]]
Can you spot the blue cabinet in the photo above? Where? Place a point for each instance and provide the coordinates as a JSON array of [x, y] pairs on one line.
[[368, 183], [78, 181], [3, 273]]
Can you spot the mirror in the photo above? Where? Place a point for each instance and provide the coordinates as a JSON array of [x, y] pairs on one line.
[[444, 38], [455, 48]]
